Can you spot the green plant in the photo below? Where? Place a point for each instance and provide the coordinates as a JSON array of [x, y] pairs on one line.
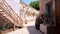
[[35, 4]]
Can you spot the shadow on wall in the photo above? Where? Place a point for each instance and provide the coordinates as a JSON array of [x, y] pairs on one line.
[[32, 30]]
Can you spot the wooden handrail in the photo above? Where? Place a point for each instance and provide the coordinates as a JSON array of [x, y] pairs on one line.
[[13, 11], [15, 14], [10, 11]]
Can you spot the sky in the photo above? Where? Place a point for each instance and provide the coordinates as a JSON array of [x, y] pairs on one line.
[[28, 1]]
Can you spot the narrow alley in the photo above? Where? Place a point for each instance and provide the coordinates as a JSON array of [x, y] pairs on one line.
[[29, 17], [29, 28]]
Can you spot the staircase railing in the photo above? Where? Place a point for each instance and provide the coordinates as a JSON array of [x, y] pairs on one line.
[[10, 11]]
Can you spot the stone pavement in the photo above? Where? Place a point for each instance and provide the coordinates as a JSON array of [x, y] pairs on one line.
[[29, 28]]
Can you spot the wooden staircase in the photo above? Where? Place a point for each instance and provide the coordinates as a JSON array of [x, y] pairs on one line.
[[9, 14]]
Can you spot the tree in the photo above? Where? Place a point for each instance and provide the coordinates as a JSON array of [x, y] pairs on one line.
[[35, 4]]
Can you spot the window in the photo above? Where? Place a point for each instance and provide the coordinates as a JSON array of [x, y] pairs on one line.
[[49, 9]]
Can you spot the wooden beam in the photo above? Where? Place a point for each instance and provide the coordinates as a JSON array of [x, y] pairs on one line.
[[14, 28]]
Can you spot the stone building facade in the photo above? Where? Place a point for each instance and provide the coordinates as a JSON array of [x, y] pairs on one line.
[[27, 11]]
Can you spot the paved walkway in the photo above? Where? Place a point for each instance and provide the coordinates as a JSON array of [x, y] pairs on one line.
[[28, 29]]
